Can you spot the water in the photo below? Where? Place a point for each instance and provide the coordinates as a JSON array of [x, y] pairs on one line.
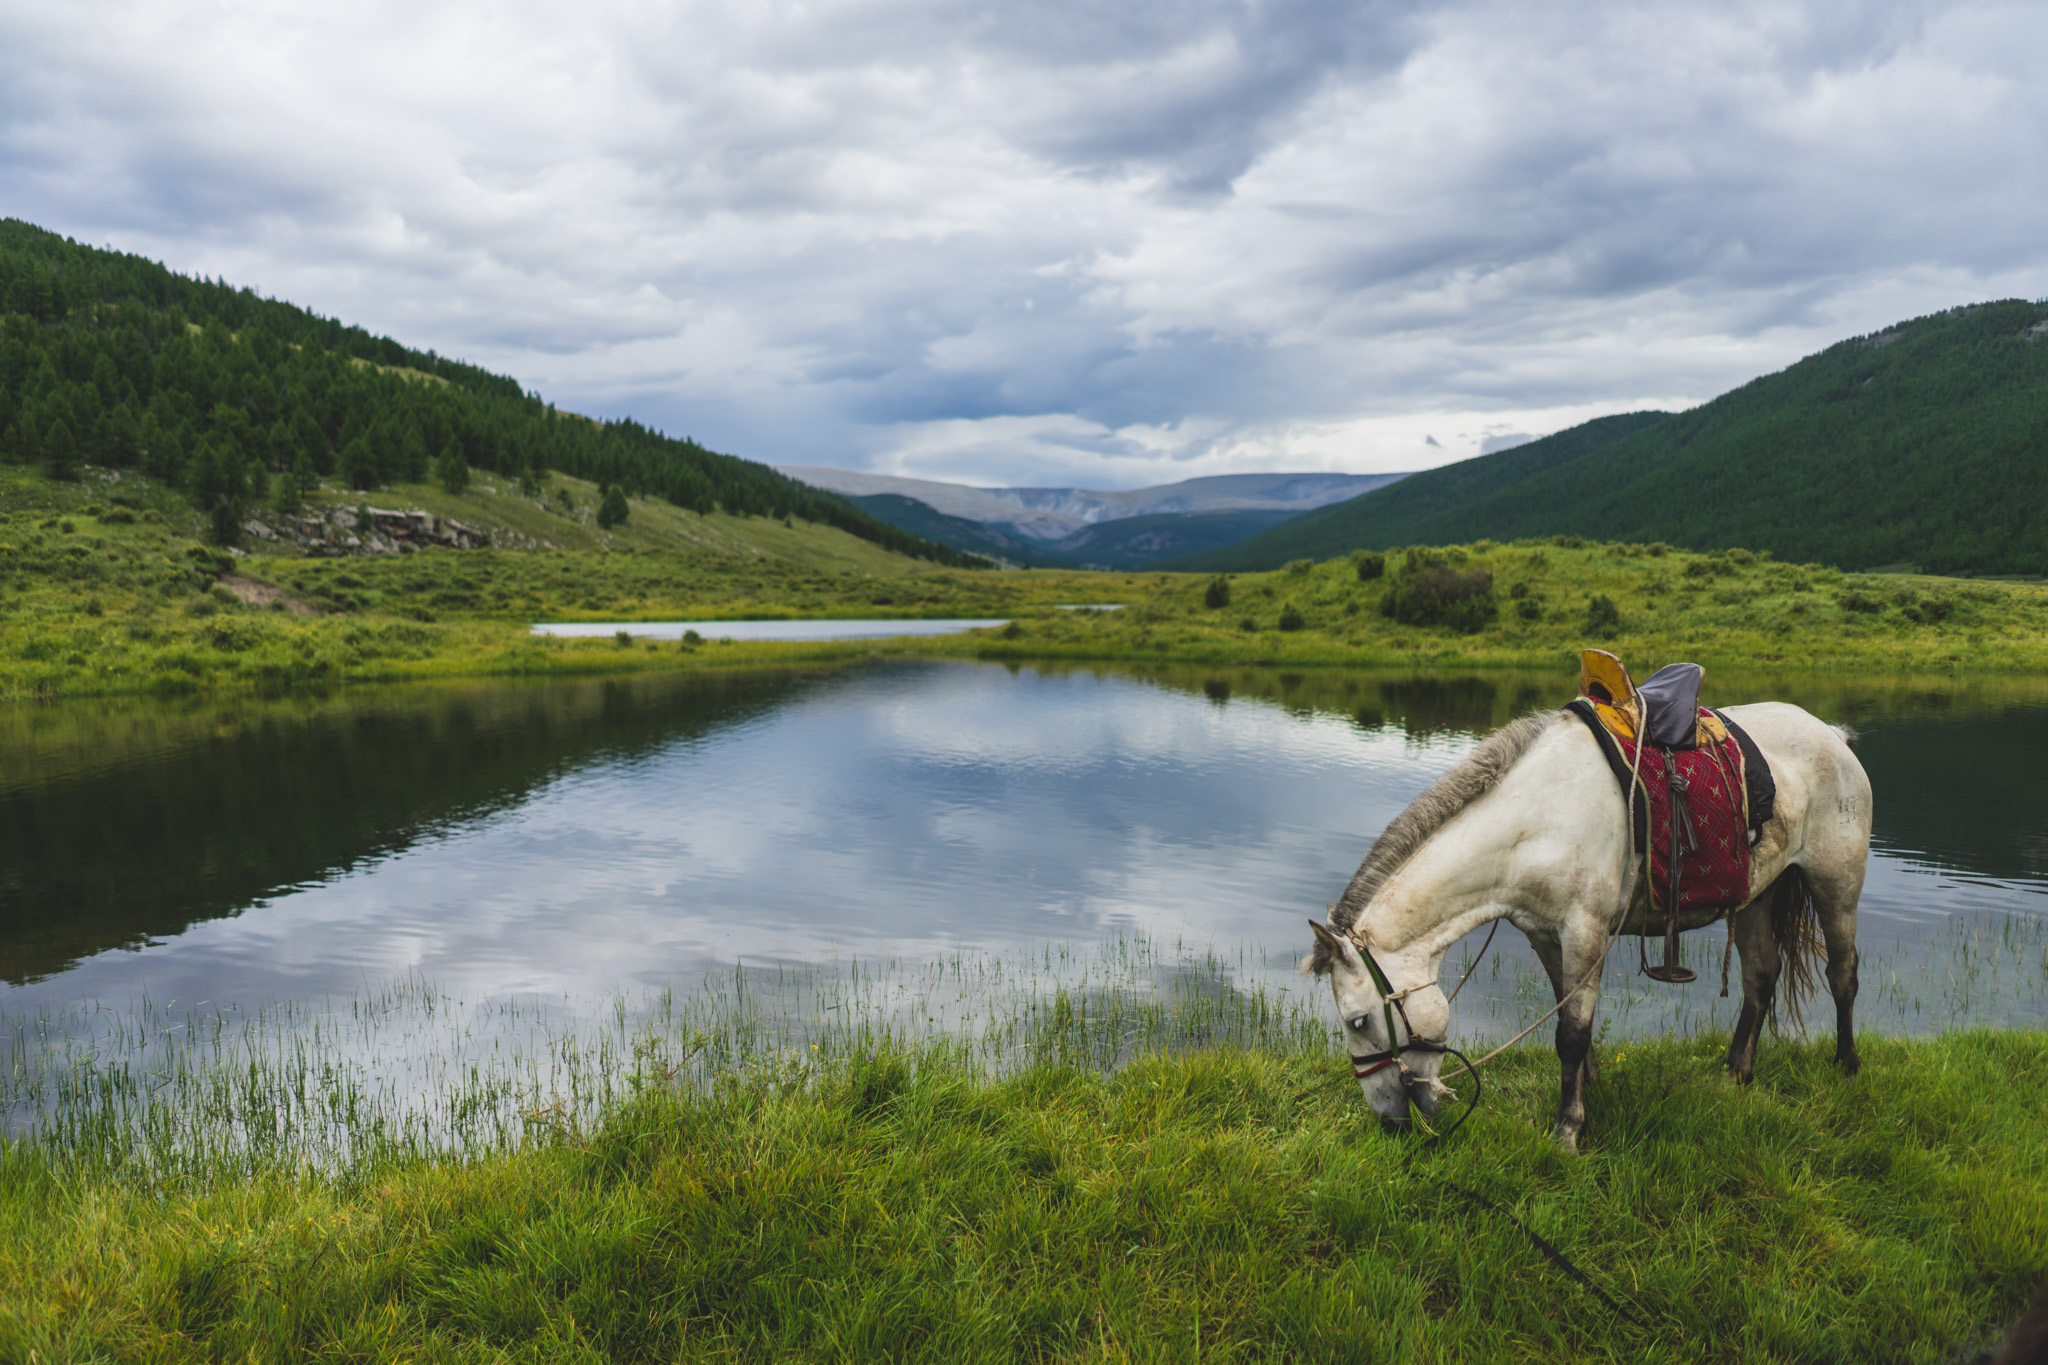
[[441, 868], [767, 630]]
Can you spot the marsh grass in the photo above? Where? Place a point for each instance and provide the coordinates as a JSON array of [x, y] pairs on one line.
[[1112, 1154]]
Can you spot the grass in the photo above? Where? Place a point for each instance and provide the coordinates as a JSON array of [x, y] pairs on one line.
[[107, 591], [1099, 1168]]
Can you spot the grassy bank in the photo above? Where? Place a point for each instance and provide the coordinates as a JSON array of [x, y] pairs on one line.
[[106, 591], [1219, 1204]]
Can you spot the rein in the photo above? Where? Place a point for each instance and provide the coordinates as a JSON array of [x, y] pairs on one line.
[[1373, 1063]]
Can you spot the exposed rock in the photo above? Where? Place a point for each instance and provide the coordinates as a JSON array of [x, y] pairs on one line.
[[334, 532]]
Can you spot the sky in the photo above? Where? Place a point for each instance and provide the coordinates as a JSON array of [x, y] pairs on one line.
[[1049, 242]]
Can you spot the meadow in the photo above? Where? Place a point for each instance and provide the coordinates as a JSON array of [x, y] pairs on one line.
[[1094, 1169], [109, 588]]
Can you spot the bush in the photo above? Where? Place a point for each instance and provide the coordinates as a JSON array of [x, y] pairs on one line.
[[1370, 565], [1290, 619], [1861, 601], [1603, 618], [1658, 549], [1298, 567], [1217, 595], [1248, 626], [1529, 609], [611, 509], [1438, 595]]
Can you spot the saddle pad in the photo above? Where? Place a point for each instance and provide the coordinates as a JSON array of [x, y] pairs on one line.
[[1713, 863]]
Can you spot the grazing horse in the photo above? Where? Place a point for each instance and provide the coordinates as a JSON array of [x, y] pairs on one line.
[[1531, 828]]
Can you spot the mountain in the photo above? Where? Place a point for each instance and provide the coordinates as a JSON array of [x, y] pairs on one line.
[[1077, 527], [1125, 543], [1055, 513], [1923, 444], [111, 359]]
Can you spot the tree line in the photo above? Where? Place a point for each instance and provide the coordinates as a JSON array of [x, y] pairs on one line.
[[111, 359]]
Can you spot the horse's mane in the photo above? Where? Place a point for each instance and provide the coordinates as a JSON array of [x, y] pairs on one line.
[[1478, 774]]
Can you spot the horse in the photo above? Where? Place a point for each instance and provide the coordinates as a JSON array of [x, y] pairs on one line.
[[1532, 828]]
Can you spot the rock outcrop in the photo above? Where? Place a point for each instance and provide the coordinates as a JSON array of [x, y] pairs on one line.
[[336, 531]]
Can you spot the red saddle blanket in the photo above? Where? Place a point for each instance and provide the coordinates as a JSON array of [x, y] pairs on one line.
[[1710, 810]]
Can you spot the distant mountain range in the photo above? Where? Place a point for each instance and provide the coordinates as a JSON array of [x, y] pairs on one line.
[[1077, 526], [1924, 444]]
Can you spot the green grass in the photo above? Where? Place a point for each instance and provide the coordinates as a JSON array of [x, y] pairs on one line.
[[107, 589], [891, 1200]]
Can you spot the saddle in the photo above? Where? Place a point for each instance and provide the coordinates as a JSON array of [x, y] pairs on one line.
[[1706, 789]]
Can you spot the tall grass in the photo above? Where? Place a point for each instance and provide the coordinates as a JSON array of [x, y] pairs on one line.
[[1109, 1154]]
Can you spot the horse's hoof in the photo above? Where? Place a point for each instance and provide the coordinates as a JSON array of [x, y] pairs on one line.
[[1850, 1064]]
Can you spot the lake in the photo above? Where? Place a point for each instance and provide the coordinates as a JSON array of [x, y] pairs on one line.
[[587, 844]]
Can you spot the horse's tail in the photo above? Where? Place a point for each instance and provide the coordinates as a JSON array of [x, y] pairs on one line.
[[1795, 924]]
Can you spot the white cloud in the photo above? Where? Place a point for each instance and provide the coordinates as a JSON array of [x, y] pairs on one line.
[[1051, 242]]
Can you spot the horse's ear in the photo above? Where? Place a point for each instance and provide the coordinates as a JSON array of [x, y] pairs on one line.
[[1330, 950]]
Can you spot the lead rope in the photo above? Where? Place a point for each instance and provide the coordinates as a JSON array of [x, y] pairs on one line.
[[1556, 1257]]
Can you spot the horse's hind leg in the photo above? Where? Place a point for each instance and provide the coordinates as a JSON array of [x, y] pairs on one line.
[[1751, 929], [1834, 903]]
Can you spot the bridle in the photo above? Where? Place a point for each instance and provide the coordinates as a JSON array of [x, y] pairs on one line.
[[1392, 1002]]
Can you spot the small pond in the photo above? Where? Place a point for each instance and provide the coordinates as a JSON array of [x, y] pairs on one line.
[[763, 630]]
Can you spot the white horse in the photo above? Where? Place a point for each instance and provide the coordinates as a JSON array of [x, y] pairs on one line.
[[1531, 828]]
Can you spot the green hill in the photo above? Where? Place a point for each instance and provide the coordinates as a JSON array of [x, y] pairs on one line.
[[1925, 444], [112, 360]]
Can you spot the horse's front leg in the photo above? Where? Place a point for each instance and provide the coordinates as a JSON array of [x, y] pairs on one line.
[[1570, 963]]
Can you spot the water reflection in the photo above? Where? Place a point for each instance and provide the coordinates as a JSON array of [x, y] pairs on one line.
[[577, 839]]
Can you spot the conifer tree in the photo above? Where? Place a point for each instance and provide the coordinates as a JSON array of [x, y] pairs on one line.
[[611, 508], [452, 469], [60, 450]]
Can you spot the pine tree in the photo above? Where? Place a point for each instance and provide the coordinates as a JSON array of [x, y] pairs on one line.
[[452, 469], [60, 450], [358, 465], [611, 509]]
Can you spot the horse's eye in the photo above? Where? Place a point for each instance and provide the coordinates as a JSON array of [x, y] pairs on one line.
[[1358, 1024]]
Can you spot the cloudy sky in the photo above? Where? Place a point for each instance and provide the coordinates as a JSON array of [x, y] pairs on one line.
[[1101, 242]]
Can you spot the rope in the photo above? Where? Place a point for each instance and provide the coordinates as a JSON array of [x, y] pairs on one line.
[[1475, 964], [1628, 886]]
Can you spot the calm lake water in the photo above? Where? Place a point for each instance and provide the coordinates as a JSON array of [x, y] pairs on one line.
[[584, 842], [764, 630]]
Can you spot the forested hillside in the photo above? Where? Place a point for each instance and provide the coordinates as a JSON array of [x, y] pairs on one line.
[[111, 359], [1924, 444]]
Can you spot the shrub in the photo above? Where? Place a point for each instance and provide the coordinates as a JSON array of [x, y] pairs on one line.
[[1217, 595], [1248, 626], [1930, 612], [1855, 600], [1438, 595], [1603, 618], [1529, 609], [1369, 564], [623, 639], [1569, 542], [1290, 619], [1298, 567], [1658, 549]]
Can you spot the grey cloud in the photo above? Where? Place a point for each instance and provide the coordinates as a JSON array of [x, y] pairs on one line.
[[1076, 237]]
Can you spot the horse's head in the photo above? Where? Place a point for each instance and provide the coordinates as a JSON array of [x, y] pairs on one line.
[[1390, 1030]]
